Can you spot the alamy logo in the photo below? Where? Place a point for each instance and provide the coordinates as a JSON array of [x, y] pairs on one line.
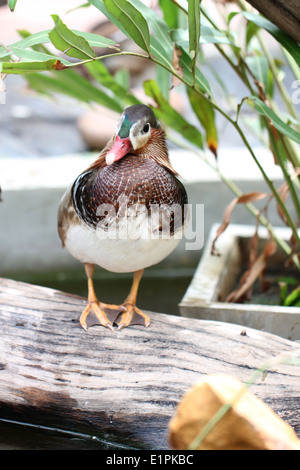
[[137, 221]]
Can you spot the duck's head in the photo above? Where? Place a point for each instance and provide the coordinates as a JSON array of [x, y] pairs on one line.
[[134, 130]]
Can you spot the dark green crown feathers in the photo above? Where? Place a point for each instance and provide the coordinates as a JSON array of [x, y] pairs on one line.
[[133, 114]]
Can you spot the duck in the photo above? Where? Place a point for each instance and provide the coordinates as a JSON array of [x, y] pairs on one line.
[[124, 213]]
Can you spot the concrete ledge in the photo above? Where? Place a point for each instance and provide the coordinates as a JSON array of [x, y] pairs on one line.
[[32, 188], [58, 172]]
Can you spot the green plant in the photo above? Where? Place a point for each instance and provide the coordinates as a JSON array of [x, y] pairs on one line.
[[174, 38]]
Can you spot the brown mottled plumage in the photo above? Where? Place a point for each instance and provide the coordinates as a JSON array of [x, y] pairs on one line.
[[133, 167]]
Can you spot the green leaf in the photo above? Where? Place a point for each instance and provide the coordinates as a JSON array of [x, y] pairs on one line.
[[201, 82], [170, 13], [4, 53], [251, 30], [32, 39], [122, 78], [67, 41], [284, 39], [160, 43], [209, 35], [157, 25], [162, 52], [71, 83], [206, 115], [259, 67], [166, 113], [99, 4], [96, 40], [40, 47], [12, 4], [100, 73], [132, 21], [231, 16], [31, 55], [28, 67], [293, 299], [280, 125], [163, 81], [161, 46], [194, 28]]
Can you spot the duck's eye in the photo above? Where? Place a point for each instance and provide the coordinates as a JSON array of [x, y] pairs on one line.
[[146, 128]]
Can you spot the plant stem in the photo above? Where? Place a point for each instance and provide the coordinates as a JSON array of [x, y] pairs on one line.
[[270, 184], [237, 192], [294, 67], [226, 116], [284, 94]]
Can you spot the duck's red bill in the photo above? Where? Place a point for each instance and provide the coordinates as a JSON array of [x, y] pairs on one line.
[[119, 149]]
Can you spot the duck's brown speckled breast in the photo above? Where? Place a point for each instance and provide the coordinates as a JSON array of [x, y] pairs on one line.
[[135, 179]]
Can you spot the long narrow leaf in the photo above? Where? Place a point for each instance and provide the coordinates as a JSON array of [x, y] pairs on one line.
[[280, 125], [259, 67], [31, 55], [71, 83], [194, 32], [67, 41], [170, 117], [157, 25], [206, 115], [96, 40], [284, 39], [201, 82], [170, 13], [29, 67], [132, 20], [209, 35], [12, 4], [100, 73], [30, 40], [160, 43]]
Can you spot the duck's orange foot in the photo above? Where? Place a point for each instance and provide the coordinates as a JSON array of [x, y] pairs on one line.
[[98, 313], [132, 316]]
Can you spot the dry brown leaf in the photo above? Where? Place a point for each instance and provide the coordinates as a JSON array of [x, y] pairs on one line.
[[253, 247], [59, 65], [244, 199], [254, 272], [248, 425], [283, 192], [177, 53]]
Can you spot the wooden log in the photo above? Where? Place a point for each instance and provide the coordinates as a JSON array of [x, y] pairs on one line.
[[123, 386], [284, 13]]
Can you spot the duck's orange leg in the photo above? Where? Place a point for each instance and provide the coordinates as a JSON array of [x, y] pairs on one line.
[[133, 315], [97, 313]]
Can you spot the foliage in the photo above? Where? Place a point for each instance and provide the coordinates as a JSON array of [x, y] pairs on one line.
[[174, 37]]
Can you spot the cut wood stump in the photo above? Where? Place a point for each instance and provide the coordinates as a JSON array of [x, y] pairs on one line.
[[124, 385]]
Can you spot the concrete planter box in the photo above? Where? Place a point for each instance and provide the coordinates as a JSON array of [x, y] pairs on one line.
[[216, 276]]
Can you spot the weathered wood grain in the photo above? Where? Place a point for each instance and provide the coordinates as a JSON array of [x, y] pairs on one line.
[[123, 385], [284, 13]]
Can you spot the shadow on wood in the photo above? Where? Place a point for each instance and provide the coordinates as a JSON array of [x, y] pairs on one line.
[[123, 385]]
